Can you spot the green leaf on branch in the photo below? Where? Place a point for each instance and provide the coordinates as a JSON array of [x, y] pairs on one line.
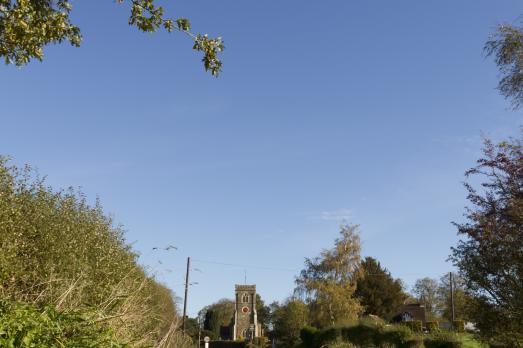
[[27, 26], [183, 24]]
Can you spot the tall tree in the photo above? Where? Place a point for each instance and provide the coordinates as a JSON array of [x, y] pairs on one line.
[[216, 315], [378, 292], [329, 280], [461, 298], [192, 328], [490, 256], [264, 312], [426, 292], [27, 26], [506, 45], [288, 320]]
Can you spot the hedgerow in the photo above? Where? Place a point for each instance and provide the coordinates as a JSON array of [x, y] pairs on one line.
[[24, 325], [443, 340], [61, 252], [362, 334]]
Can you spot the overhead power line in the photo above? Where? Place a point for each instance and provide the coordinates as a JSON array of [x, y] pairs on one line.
[[248, 266], [283, 269]]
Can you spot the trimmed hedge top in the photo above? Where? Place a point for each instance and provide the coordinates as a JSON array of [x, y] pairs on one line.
[[363, 334]]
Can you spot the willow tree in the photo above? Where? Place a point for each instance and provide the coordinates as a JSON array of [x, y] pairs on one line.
[[506, 46], [329, 281], [27, 26]]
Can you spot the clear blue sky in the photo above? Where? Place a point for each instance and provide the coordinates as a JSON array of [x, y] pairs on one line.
[[368, 111]]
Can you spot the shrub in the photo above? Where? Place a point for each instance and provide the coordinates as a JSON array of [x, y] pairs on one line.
[[458, 325], [209, 333], [227, 344], [362, 334], [432, 326], [308, 336], [400, 336], [24, 325], [414, 325], [341, 345], [260, 342], [329, 335], [443, 340], [372, 319]]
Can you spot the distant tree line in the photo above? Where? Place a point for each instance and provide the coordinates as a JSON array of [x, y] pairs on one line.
[[334, 288], [338, 287]]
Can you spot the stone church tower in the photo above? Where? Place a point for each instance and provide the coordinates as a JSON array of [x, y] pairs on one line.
[[245, 317]]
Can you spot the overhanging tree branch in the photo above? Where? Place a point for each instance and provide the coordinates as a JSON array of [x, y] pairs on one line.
[[27, 26]]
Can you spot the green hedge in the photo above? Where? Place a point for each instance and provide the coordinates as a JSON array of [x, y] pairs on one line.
[[26, 326], [308, 336], [432, 326], [414, 325], [459, 325], [443, 340], [227, 344], [400, 336], [363, 334], [332, 334], [57, 249], [367, 335]]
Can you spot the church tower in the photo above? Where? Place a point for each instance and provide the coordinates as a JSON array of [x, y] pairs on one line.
[[245, 317]]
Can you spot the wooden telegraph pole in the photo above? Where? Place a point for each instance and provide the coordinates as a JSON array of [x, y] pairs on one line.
[[186, 291], [452, 299]]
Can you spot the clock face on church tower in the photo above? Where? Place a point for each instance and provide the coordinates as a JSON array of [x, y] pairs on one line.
[[245, 309]]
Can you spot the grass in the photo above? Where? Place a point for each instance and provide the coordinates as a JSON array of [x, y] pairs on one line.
[[470, 342]]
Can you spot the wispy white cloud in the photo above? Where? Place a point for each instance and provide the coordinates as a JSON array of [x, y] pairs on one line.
[[342, 214]]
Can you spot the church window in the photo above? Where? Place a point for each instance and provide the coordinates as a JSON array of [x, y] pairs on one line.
[[245, 298]]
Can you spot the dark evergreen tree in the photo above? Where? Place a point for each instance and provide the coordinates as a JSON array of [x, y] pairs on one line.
[[264, 313], [216, 315], [377, 291]]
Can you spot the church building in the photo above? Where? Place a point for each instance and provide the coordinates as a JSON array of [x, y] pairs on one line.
[[245, 323]]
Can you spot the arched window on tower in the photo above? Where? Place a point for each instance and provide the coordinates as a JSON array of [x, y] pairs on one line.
[[245, 298]]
